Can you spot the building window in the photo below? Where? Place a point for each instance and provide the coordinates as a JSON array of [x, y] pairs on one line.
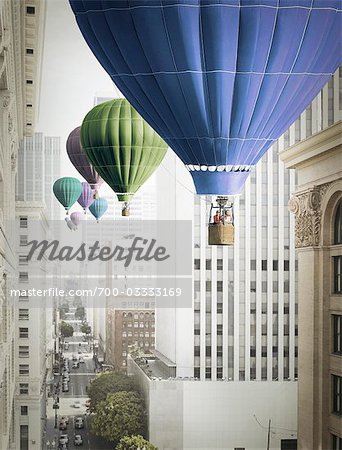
[[23, 314], [219, 330], [219, 372], [197, 372], [24, 410], [197, 264], [338, 224], [23, 351], [23, 388], [336, 442], [337, 394], [337, 274], [197, 350], [208, 373], [220, 264], [264, 264], [23, 240], [24, 370], [23, 333], [219, 286], [23, 277], [337, 333], [208, 286], [23, 298], [24, 437], [30, 10], [208, 264], [23, 222], [29, 51], [23, 261]]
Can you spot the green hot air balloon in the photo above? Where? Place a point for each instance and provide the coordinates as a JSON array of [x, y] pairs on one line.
[[67, 190], [123, 148]]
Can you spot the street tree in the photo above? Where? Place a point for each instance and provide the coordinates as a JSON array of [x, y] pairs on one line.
[[85, 328], [121, 414], [134, 443], [66, 330], [80, 313], [109, 383]]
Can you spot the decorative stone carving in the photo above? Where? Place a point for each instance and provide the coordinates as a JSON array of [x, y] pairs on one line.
[[14, 161], [306, 206], [10, 123]]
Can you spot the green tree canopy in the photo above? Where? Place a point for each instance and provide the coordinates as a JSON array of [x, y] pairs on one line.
[[134, 442], [66, 330], [109, 383], [121, 414], [85, 328], [80, 313]]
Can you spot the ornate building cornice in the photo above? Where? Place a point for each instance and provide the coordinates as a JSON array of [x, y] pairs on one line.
[[307, 208]]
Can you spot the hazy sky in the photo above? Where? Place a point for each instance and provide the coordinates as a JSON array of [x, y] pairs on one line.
[[71, 78]]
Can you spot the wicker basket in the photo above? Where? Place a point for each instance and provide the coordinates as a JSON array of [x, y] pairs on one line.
[[221, 234]]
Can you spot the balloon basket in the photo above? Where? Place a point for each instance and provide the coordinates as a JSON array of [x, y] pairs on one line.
[[125, 211], [220, 234]]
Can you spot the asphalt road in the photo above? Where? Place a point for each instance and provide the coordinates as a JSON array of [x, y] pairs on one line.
[[72, 403]]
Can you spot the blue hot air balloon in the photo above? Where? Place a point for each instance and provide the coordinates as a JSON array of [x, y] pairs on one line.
[[219, 80], [98, 208]]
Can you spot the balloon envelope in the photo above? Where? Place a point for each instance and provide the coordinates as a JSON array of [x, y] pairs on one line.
[[121, 146], [219, 81], [76, 218], [80, 161], [98, 207], [67, 190], [87, 196]]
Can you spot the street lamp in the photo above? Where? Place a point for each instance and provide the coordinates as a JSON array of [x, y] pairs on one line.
[[56, 407]]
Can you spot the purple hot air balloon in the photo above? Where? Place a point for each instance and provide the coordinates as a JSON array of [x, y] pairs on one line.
[[76, 218], [80, 161], [87, 196]]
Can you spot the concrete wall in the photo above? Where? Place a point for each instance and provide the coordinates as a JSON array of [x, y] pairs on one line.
[[203, 415]]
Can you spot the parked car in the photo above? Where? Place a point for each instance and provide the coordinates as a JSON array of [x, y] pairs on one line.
[[63, 439], [78, 440], [74, 357], [81, 360], [65, 419], [65, 387], [76, 365], [62, 426], [79, 423], [87, 403]]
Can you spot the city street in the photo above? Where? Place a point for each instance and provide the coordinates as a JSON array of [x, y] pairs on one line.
[[72, 403]]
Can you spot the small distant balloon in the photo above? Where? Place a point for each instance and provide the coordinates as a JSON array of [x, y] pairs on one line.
[[80, 161], [67, 191], [76, 218], [87, 196], [98, 208]]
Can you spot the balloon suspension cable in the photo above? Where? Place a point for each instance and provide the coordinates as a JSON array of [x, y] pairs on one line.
[[96, 194], [66, 211]]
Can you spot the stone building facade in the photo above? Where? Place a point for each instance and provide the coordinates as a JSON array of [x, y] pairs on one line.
[[317, 207], [21, 29], [128, 329]]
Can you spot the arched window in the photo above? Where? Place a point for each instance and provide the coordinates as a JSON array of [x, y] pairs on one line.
[[338, 224]]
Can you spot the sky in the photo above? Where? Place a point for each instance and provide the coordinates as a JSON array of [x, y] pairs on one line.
[[71, 78]]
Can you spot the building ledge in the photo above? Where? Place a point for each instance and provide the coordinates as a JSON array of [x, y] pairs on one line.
[[314, 147]]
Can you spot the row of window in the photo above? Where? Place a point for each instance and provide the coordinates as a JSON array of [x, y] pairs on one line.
[[219, 351], [139, 324], [264, 285], [141, 334], [253, 262]]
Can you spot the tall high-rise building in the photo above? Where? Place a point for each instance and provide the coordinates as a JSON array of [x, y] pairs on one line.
[[317, 207], [39, 166], [21, 32]]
